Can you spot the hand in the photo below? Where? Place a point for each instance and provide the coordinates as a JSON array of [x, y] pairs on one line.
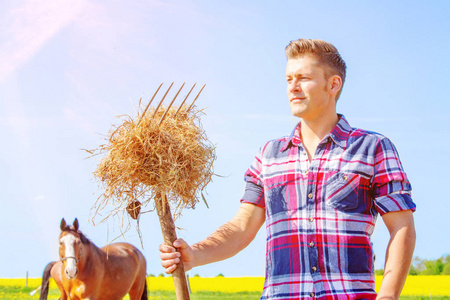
[[170, 256]]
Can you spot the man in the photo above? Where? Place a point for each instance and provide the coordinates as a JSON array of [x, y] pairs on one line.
[[319, 190]]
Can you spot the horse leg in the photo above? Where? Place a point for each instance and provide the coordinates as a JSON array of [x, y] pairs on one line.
[[144, 292], [139, 290], [63, 293], [56, 271], [52, 270]]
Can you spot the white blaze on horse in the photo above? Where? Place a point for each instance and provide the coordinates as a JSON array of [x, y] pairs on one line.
[[85, 271]]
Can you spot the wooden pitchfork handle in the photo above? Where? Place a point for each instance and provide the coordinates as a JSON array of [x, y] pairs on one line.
[[169, 235]]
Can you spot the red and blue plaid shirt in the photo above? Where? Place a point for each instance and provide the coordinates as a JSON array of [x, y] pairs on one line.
[[321, 214]]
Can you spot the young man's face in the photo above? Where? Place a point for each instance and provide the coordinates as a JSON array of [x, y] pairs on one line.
[[308, 89]]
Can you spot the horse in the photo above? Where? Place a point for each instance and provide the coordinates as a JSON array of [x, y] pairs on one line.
[[85, 271]]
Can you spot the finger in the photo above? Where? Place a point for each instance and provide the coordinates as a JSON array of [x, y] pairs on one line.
[[166, 248], [170, 262], [180, 244], [167, 256], [170, 269]]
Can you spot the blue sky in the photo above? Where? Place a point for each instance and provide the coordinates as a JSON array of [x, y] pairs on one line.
[[68, 68]]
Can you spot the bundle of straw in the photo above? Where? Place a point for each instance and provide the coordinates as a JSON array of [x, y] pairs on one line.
[[145, 158]]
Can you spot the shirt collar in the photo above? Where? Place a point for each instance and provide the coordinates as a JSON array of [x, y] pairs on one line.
[[338, 135], [341, 131]]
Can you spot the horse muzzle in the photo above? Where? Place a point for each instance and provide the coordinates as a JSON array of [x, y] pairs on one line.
[[71, 272]]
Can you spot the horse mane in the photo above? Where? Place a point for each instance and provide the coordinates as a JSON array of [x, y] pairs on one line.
[[83, 238]]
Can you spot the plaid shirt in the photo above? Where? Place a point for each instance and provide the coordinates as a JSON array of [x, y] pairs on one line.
[[321, 214]]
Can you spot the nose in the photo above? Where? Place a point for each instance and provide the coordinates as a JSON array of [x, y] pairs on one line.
[[71, 273], [294, 86]]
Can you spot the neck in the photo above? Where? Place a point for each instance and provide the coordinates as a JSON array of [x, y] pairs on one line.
[[313, 131], [83, 257], [86, 265]]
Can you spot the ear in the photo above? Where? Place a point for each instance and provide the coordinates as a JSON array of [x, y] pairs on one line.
[[335, 84], [63, 224], [75, 224]]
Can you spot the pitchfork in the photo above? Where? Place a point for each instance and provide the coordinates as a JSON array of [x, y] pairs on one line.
[[171, 102], [162, 205]]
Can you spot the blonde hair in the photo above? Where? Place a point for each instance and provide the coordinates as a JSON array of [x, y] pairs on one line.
[[325, 52]]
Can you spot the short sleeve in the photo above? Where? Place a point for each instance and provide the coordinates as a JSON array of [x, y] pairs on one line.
[[390, 186], [254, 188]]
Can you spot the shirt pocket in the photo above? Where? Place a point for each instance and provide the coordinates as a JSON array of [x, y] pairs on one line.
[[342, 191], [283, 196], [276, 199]]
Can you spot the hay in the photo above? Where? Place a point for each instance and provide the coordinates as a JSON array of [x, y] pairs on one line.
[[144, 159]]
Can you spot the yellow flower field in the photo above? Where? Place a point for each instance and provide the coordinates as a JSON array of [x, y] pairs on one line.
[[424, 285], [213, 284], [415, 285]]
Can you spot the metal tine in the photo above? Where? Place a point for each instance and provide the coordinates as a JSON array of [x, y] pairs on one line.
[[196, 98], [182, 103], [170, 105], [162, 100], [148, 105]]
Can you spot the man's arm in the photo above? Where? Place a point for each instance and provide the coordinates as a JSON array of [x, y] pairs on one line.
[[225, 242], [398, 254]]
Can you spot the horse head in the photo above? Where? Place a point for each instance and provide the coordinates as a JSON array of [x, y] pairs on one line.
[[70, 247]]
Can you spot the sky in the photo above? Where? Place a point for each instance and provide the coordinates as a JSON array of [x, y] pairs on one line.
[[68, 69]]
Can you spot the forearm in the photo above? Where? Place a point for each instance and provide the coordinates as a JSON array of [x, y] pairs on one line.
[[224, 243], [230, 238], [398, 259]]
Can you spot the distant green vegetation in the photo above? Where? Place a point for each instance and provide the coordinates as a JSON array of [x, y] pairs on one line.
[[440, 266]]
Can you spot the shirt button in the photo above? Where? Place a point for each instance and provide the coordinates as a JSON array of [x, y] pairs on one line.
[[310, 196], [304, 152], [312, 295], [311, 244], [314, 269], [345, 177], [311, 219], [306, 172]]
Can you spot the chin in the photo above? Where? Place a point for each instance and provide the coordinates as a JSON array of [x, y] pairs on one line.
[[298, 110], [297, 113]]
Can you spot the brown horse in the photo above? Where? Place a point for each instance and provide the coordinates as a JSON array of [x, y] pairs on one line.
[[85, 271]]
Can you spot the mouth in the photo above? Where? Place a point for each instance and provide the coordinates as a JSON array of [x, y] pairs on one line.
[[297, 99], [71, 277]]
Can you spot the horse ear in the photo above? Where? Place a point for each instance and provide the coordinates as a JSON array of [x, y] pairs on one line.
[[75, 224], [63, 224]]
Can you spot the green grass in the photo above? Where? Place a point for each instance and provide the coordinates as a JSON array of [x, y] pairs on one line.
[[424, 297], [21, 293], [206, 295]]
